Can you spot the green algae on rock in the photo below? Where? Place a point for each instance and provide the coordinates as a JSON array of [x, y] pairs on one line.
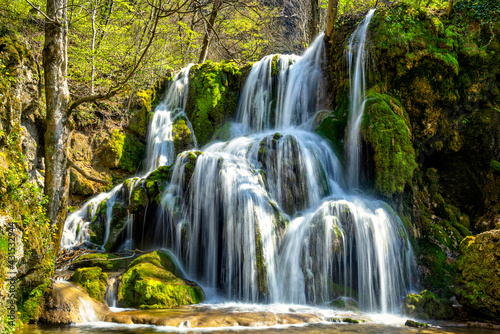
[[478, 287], [92, 280], [426, 305], [386, 128], [212, 97], [154, 280]]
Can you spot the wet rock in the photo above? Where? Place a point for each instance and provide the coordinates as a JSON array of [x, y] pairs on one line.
[[63, 305], [411, 323], [203, 318], [426, 305], [478, 288], [154, 280], [92, 280]]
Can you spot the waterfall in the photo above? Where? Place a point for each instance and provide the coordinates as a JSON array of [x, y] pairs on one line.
[[160, 152], [281, 90], [357, 58], [269, 216]]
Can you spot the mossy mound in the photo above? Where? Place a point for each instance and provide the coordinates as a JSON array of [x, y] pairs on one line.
[[154, 281], [386, 128], [213, 97], [347, 304], [478, 287], [426, 305], [121, 150], [183, 138], [93, 280], [107, 262]]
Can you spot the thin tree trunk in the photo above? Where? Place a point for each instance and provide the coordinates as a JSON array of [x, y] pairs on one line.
[[314, 20], [93, 8], [55, 62], [450, 8], [208, 33], [330, 19]]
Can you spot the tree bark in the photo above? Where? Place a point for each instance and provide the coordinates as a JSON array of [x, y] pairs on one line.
[[314, 20], [330, 19], [208, 33], [450, 8], [55, 64]]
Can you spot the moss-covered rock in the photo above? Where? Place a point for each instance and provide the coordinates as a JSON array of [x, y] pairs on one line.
[[121, 150], [154, 281], [213, 97], [479, 279], [183, 138], [139, 111], [426, 305], [347, 304], [92, 280], [105, 261], [386, 128]]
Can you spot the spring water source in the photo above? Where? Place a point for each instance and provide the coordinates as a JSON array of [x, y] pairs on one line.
[[269, 216]]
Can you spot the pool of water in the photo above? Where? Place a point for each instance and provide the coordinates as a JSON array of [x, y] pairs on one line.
[[108, 328]]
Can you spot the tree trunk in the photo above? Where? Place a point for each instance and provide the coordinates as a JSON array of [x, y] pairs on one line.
[[314, 20], [55, 61], [208, 33], [330, 19], [450, 8], [93, 8]]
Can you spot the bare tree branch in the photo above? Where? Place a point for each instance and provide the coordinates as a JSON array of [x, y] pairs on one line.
[[85, 175]]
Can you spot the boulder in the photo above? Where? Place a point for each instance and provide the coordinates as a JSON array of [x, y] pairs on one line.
[[478, 288], [154, 280]]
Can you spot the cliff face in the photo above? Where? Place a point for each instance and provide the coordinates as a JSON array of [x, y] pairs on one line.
[[431, 128]]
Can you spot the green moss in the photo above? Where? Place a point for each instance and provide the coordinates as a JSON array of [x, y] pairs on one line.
[[32, 306], [426, 305], [156, 182], [224, 133], [92, 280], [100, 260], [261, 264], [478, 287], [385, 129], [138, 198], [333, 129], [411, 323], [183, 138], [127, 150], [140, 111], [351, 321], [213, 97], [495, 165], [150, 283]]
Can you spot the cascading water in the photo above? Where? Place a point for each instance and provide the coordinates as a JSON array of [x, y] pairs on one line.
[[268, 216], [160, 153], [357, 58]]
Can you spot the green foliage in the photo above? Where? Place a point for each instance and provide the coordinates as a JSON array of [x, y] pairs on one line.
[[416, 31], [31, 306], [484, 11], [92, 280], [385, 129]]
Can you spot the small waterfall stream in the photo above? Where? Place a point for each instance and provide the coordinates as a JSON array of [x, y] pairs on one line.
[[269, 215], [357, 59]]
